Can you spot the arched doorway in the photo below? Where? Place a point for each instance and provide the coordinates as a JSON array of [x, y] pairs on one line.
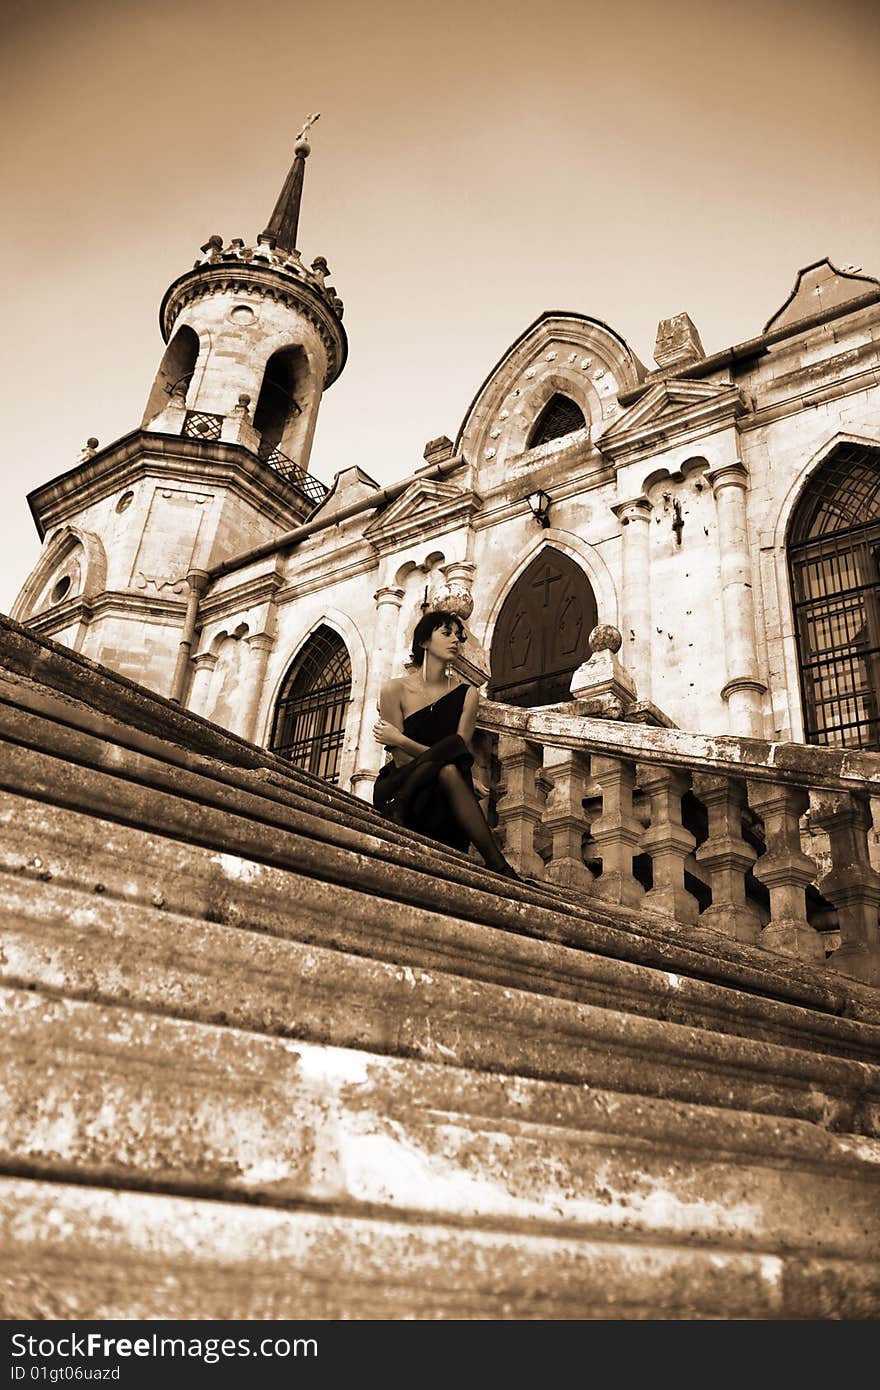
[[833, 549], [542, 630], [309, 722]]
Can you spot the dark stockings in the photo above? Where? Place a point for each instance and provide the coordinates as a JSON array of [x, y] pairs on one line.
[[437, 764], [469, 814]]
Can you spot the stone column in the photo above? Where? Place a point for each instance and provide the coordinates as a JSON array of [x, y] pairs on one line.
[[785, 870], [259, 647], [635, 597], [617, 833], [370, 755], [727, 857], [668, 843], [520, 804], [852, 885], [742, 689], [201, 682], [567, 772]]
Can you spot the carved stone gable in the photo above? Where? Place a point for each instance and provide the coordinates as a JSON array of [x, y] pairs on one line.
[[671, 411], [425, 509]]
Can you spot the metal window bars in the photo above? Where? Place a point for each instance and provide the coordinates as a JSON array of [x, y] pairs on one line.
[[309, 723], [835, 581]]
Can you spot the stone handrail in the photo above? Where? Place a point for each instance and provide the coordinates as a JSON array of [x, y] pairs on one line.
[[800, 763], [764, 842]]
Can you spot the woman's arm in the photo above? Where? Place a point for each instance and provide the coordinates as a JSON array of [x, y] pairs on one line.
[[468, 721], [389, 728]]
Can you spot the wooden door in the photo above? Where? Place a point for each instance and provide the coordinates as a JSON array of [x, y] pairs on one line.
[[542, 630]]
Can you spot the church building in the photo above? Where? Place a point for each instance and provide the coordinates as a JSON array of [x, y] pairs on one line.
[[721, 511]]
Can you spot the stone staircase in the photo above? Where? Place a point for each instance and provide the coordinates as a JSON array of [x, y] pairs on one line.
[[268, 1057]]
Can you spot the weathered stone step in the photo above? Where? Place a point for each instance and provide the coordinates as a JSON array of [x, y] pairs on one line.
[[293, 1123], [74, 1252], [391, 1008], [203, 810], [374, 974]]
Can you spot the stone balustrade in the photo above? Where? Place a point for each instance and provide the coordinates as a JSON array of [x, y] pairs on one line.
[[764, 842]]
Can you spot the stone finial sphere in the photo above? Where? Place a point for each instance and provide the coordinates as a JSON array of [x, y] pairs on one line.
[[457, 601], [604, 638]]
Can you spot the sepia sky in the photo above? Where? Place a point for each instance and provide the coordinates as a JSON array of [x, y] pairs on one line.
[[474, 164]]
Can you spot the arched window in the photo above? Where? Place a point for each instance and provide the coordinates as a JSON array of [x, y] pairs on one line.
[[175, 371], [833, 548], [278, 406], [309, 721], [560, 416], [541, 635]]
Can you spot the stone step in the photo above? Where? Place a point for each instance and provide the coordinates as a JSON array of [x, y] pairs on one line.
[[142, 1101], [356, 960], [146, 957], [82, 771], [265, 1056], [74, 1253]]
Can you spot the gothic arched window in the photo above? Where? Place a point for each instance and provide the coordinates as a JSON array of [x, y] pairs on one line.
[[833, 549], [541, 635], [309, 721], [560, 416]]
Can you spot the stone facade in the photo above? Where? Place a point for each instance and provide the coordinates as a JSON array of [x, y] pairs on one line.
[[184, 561]]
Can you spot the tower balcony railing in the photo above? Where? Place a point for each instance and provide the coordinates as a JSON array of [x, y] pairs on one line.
[[308, 486], [769, 844]]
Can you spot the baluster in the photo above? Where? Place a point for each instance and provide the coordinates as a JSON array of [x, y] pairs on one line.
[[520, 803], [566, 770], [668, 843], [852, 885], [726, 856], [617, 834], [785, 870]]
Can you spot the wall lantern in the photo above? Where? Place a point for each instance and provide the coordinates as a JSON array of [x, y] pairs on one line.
[[539, 502]]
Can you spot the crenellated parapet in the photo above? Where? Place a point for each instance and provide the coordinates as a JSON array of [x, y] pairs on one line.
[[268, 274]]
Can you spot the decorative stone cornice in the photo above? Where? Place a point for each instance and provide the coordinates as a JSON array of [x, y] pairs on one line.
[[256, 590], [425, 509], [205, 463], [269, 275], [671, 412], [113, 602]]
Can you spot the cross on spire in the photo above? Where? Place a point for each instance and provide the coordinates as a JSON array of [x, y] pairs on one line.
[[283, 225]]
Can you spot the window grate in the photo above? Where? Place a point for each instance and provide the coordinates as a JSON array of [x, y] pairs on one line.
[[309, 487], [198, 424], [835, 581], [309, 723], [559, 417]]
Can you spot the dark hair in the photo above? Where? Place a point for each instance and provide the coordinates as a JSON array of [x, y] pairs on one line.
[[427, 626]]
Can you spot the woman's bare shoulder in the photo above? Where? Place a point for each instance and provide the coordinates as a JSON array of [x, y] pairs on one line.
[[394, 690]]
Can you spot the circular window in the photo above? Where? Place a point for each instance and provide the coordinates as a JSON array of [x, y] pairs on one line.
[[242, 314], [125, 501], [60, 590]]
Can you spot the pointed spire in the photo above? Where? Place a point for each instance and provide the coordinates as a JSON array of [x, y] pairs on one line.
[[283, 226]]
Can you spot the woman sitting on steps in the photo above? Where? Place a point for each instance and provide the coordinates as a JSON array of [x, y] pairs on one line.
[[428, 723]]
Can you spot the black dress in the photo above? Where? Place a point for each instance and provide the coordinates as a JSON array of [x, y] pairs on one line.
[[428, 811]]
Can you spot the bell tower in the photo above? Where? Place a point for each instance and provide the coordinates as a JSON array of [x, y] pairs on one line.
[[218, 465], [254, 337]]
